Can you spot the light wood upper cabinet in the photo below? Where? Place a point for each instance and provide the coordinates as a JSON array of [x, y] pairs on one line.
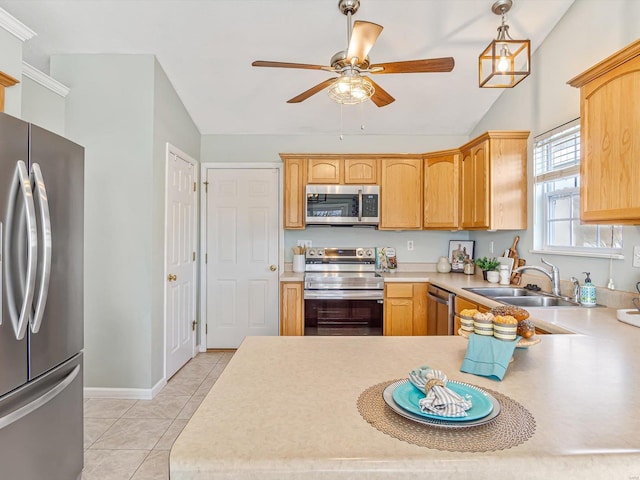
[[361, 171], [401, 193], [291, 308], [295, 174], [441, 190], [325, 171], [493, 183], [610, 139], [405, 309]]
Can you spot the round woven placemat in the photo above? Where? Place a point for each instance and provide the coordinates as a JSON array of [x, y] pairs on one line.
[[513, 426]]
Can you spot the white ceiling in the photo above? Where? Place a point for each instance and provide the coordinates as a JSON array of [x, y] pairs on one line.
[[206, 48]]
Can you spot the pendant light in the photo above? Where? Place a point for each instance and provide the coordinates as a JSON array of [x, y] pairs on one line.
[[505, 62]]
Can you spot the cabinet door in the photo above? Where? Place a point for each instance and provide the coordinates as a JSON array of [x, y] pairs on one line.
[[398, 316], [360, 171], [294, 193], [475, 186], [291, 308], [401, 194], [441, 191], [325, 171], [610, 140]]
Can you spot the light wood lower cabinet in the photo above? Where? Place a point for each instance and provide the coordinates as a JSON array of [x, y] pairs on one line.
[[405, 309], [464, 304], [291, 308]]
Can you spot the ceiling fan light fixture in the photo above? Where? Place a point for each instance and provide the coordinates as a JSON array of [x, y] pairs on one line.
[[505, 62], [351, 89]]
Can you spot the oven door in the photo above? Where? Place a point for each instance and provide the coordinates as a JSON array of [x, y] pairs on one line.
[[343, 312]]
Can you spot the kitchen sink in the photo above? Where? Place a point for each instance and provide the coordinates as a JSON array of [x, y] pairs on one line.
[[493, 292], [536, 301], [522, 297]]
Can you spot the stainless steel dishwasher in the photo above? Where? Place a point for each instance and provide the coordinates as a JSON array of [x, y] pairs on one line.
[[440, 311]]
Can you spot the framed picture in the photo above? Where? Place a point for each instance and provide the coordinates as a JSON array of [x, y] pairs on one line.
[[459, 251]]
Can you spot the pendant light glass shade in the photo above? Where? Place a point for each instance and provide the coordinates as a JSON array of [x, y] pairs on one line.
[[505, 62]]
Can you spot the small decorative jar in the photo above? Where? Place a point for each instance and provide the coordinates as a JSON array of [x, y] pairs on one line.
[[443, 265], [493, 276], [469, 267]]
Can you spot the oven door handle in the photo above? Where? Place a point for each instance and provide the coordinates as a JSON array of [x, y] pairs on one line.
[[343, 295]]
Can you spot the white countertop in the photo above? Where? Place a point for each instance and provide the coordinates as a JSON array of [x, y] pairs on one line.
[[285, 407]]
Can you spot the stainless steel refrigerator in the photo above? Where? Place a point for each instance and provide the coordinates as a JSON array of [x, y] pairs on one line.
[[41, 297]]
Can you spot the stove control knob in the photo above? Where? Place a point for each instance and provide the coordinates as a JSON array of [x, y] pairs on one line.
[[311, 252], [359, 252], [320, 253], [369, 253]]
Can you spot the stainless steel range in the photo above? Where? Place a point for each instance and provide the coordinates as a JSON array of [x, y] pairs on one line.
[[342, 293]]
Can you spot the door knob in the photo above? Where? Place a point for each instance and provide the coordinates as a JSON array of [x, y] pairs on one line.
[[273, 268], [172, 278]]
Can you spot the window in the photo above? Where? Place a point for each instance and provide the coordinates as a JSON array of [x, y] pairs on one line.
[[557, 227]]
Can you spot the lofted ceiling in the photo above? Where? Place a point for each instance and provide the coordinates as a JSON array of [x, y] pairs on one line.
[[206, 48]]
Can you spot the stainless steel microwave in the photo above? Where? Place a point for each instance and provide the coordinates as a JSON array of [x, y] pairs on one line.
[[343, 205]]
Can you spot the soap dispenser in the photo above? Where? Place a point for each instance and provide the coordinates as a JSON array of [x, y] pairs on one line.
[[588, 292]]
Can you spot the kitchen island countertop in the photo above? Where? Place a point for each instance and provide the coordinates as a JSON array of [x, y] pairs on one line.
[[285, 408]]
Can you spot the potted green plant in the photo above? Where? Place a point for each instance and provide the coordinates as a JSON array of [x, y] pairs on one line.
[[487, 265]]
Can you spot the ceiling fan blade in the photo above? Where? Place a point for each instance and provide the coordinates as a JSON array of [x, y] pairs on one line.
[[312, 91], [262, 63], [380, 97], [363, 36], [415, 66]]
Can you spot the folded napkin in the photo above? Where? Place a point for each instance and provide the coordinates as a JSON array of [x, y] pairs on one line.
[[488, 356], [439, 399]]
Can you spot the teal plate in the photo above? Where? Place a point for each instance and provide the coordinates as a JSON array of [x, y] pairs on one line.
[[407, 396]]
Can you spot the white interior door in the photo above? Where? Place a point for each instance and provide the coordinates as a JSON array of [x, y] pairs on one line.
[[242, 255], [180, 259]]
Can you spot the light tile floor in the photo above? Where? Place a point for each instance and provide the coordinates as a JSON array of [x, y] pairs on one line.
[[131, 439]]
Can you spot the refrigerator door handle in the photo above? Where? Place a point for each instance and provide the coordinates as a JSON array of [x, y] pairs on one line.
[[44, 261], [40, 401], [21, 184]]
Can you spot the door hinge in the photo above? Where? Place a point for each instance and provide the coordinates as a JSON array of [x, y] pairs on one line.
[[193, 325], [206, 258], [194, 186], [206, 187], [206, 328], [194, 256]]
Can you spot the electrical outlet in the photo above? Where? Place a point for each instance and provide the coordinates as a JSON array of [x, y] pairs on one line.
[[410, 245], [491, 246], [305, 243], [636, 256]]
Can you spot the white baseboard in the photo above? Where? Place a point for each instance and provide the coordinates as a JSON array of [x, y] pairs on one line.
[[125, 393]]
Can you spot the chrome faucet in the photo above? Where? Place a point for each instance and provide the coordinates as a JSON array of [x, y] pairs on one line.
[[553, 275], [576, 289]]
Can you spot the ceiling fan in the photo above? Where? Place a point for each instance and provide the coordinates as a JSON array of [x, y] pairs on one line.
[[351, 86]]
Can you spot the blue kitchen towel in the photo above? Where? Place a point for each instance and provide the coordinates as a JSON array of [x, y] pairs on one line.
[[488, 356]]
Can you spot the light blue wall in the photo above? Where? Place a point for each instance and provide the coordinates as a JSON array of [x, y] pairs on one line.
[[589, 32], [171, 123], [11, 64], [113, 119], [42, 106]]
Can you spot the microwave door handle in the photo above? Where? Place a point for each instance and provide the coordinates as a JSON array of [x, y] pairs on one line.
[[45, 265], [21, 183], [360, 205]]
